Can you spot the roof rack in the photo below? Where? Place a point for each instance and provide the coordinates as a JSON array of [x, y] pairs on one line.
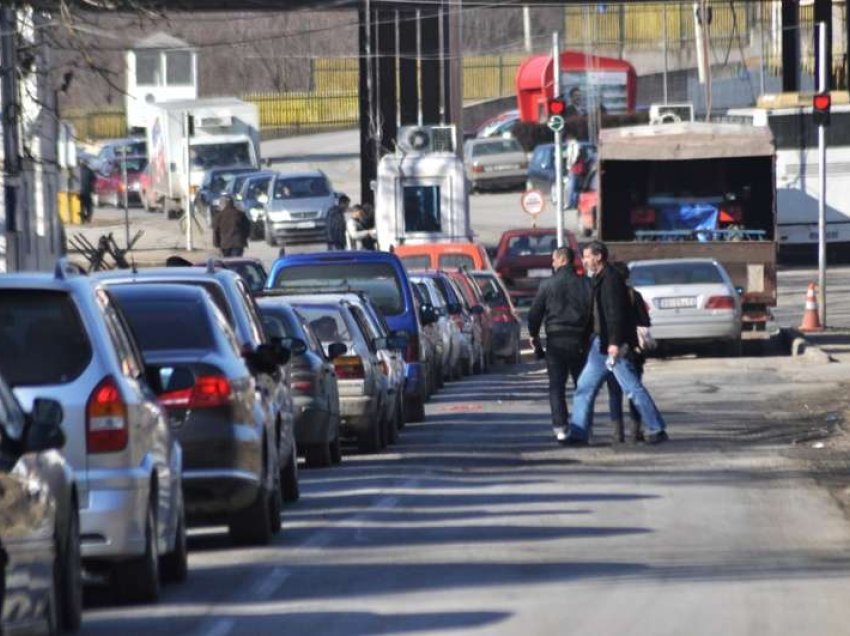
[[301, 291]]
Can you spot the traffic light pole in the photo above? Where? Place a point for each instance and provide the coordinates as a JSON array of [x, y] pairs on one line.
[[822, 87], [559, 149]]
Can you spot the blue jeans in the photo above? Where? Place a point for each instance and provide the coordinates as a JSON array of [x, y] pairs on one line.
[[593, 376], [615, 394], [572, 190]]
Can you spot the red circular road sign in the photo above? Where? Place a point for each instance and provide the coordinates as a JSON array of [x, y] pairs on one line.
[[533, 202]]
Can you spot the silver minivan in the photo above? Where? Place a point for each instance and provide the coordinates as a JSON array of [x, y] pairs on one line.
[[64, 337], [297, 207]]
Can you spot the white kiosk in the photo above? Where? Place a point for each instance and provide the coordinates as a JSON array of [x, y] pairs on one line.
[[160, 68], [422, 193]]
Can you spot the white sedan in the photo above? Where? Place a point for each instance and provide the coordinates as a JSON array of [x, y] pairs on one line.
[[690, 301]]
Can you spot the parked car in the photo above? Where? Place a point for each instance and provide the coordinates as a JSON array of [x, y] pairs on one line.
[[382, 276], [252, 199], [495, 163], [251, 269], [314, 386], [215, 184], [444, 256], [541, 167], [463, 320], [431, 341], [499, 126], [230, 463], [506, 325], [231, 295], [41, 573], [362, 389], [449, 333], [109, 181], [297, 208], [524, 259], [64, 337], [480, 312], [691, 301]]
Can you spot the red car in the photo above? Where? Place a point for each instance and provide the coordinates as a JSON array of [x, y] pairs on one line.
[[481, 314], [524, 259], [109, 182]]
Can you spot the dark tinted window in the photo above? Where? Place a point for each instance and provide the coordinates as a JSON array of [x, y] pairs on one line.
[[217, 294], [491, 291], [675, 274], [378, 280], [327, 323], [526, 245], [422, 208], [422, 261], [454, 261], [252, 273], [168, 324], [495, 147], [223, 154], [301, 187], [42, 339]]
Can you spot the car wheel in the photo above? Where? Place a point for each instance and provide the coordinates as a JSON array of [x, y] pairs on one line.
[[400, 422], [276, 507], [392, 428], [369, 441], [318, 455], [517, 355], [415, 410], [175, 564], [70, 592], [252, 525], [52, 610], [733, 348], [289, 479], [258, 232], [336, 450], [137, 580]]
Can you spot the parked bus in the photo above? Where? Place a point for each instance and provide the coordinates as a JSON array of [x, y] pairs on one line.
[[797, 180]]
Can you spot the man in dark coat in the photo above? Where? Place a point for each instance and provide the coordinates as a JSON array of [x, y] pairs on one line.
[[562, 304], [231, 229], [614, 337], [336, 231], [87, 179]]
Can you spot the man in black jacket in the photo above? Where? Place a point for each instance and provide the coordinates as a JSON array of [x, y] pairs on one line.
[[614, 336], [562, 304], [231, 228], [336, 224]]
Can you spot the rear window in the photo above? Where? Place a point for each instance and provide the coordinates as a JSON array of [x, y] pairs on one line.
[[42, 338], [491, 291], [675, 274], [168, 324], [420, 261], [454, 261], [378, 280], [526, 245], [252, 273], [217, 294], [327, 323], [495, 147]]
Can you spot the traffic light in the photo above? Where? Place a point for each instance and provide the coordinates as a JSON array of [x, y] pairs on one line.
[[556, 106], [821, 103]]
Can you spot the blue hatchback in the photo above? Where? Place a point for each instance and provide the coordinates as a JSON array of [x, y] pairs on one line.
[[382, 276]]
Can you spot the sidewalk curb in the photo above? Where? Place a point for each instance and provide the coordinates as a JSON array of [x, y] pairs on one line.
[[803, 349]]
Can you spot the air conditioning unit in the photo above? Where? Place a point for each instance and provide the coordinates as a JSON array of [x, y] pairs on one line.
[[425, 139], [670, 113]]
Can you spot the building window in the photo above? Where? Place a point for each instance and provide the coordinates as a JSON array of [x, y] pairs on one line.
[[178, 68], [422, 208], [148, 71]]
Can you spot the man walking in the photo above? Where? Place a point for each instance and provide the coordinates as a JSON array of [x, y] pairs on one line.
[[336, 224], [87, 181], [562, 304], [614, 336], [231, 228]]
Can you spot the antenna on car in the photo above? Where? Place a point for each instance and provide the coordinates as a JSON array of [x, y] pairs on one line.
[[133, 267], [211, 265]]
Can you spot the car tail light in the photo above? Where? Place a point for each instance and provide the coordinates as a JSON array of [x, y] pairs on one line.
[[303, 386], [349, 368], [720, 302], [411, 352], [208, 391], [106, 419], [477, 168]]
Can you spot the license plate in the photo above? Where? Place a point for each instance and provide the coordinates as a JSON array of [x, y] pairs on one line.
[[539, 273], [497, 168], [678, 302], [305, 225]]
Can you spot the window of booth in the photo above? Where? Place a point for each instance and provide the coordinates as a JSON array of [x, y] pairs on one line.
[[422, 208]]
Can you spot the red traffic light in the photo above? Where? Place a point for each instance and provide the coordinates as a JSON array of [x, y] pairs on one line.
[[822, 102], [556, 106]]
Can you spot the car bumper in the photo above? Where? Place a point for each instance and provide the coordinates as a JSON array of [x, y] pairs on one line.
[[312, 422], [506, 179], [298, 230], [696, 329], [504, 339]]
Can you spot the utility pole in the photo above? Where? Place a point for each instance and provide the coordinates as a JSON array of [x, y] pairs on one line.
[[187, 179], [526, 27], [823, 86], [559, 149], [126, 195], [11, 114]]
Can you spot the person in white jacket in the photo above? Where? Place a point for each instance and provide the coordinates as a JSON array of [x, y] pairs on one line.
[[355, 232], [572, 159]]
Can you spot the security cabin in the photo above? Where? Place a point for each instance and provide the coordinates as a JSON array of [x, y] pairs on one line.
[[422, 193]]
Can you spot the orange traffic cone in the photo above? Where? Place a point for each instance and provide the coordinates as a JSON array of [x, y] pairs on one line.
[[811, 318]]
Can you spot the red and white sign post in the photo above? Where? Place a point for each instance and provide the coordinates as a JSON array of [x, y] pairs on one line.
[[533, 203]]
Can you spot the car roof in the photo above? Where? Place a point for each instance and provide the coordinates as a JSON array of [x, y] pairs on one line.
[[163, 291], [675, 261], [347, 256], [45, 281], [532, 231], [301, 173]]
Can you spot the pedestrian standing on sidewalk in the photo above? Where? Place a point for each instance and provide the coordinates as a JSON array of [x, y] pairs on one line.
[[562, 305], [231, 228], [614, 336], [87, 181], [336, 224]]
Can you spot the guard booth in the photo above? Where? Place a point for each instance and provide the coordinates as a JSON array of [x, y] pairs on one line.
[[422, 194], [160, 68]]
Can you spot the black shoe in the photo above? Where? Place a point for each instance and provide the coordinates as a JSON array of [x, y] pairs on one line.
[[657, 438], [570, 440]]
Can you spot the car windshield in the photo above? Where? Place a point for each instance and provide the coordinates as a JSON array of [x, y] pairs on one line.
[[454, 261], [221, 180], [301, 187], [419, 261], [675, 274], [378, 280], [495, 147], [167, 324], [134, 164], [326, 322], [527, 245], [224, 154], [42, 338]]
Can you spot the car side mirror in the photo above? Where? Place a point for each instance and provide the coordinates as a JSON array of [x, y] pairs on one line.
[[337, 349], [477, 310], [153, 376], [45, 427], [427, 315], [281, 351], [295, 345], [453, 308], [263, 359]]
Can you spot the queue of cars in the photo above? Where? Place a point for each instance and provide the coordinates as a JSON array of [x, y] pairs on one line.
[[143, 403]]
